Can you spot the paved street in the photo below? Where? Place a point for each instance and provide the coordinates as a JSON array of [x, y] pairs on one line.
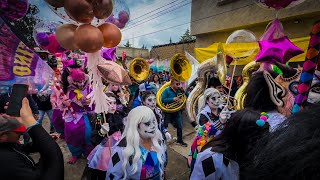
[[177, 166]]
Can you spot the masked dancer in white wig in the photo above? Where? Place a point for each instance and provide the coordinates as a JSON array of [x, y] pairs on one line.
[[110, 130], [140, 154], [212, 117]]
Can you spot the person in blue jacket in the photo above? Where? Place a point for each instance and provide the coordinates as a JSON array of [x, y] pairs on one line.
[[169, 96], [138, 99]]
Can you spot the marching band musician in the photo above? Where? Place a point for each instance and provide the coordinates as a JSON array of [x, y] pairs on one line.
[[170, 95]]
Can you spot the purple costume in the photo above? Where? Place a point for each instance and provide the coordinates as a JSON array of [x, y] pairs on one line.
[[77, 126]]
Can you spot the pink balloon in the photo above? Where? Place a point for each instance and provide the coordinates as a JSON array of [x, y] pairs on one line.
[[111, 19], [123, 17], [120, 15], [54, 46], [109, 53], [119, 24], [280, 50]]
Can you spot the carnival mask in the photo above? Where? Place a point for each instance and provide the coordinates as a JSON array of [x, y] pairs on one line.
[[150, 102], [113, 105], [283, 89], [77, 78], [148, 129], [115, 87], [214, 101]]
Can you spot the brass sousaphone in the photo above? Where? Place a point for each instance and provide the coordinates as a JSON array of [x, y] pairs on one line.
[[215, 64], [180, 69], [139, 69]]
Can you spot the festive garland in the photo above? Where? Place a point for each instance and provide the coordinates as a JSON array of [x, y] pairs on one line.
[[205, 134]]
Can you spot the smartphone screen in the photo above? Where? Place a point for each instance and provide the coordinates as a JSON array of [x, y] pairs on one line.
[[19, 91]]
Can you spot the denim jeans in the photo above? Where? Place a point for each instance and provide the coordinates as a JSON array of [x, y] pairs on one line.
[[177, 118], [41, 116]]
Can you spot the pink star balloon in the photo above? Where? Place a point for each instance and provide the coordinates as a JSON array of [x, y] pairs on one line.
[[114, 73], [280, 50]]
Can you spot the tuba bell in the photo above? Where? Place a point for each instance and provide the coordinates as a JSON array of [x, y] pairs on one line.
[[180, 69], [139, 69], [247, 72]]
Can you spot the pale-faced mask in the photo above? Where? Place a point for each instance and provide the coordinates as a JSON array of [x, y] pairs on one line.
[[113, 105], [147, 129], [214, 101], [150, 102], [115, 87]]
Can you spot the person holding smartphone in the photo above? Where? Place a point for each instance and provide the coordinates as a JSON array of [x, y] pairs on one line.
[[21, 165]]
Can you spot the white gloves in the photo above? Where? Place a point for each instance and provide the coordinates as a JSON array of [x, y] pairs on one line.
[[225, 114], [105, 128], [168, 136]]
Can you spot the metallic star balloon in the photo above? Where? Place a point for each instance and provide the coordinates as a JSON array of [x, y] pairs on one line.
[[280, 50], [114, 73]]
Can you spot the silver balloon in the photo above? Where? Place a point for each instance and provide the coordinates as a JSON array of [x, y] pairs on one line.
[[235, 40]]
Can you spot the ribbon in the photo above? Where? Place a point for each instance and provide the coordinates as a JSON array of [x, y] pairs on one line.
[[78, 92]]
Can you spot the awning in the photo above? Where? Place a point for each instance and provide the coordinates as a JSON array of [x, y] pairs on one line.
[[203, 54]]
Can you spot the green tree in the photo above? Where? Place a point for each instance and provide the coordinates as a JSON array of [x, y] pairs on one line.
[[127, 44], [170, 40], [187, 37]]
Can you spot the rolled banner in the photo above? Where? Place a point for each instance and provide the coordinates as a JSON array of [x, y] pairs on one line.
[[309, 67]]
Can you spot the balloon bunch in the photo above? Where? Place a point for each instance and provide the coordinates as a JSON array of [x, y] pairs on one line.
[[120, 15], [86, 36], [95, 12], [84, 11], [44, 36]]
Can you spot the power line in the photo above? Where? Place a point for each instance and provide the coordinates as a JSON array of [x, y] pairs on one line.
[[158, 14], [191, 21], [140, 23], [165, 21], [152, 11]]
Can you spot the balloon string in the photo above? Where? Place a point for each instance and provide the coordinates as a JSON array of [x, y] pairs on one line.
[[234, 69], [105, 121]]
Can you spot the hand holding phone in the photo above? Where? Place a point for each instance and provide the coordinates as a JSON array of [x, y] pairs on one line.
[[19, 91]]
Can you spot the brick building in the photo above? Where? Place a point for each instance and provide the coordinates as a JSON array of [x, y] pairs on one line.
[[166, 51]]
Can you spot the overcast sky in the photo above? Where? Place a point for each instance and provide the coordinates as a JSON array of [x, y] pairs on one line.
[[146, 16]]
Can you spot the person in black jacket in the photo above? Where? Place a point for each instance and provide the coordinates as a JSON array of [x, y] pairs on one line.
[[44, 107], [18, 164], [110, 130], [4, 98]]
